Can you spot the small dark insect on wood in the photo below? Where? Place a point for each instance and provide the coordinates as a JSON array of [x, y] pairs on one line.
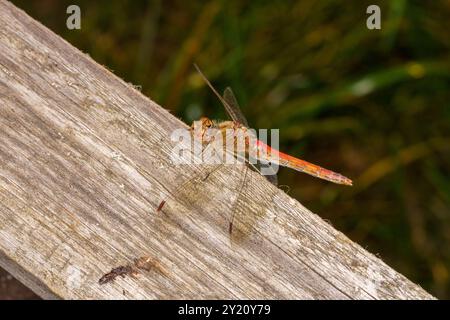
[[115, 272], [142, 263], [161, 205]]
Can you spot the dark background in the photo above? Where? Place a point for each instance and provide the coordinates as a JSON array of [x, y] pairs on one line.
[[371, 104]]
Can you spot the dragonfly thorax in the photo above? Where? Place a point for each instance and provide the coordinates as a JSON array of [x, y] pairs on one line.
[[231, 133]]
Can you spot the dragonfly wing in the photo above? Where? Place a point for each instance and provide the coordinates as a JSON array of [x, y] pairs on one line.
[[236, 113], [200, 176], [180, 191], [231, 100], [235, 207]]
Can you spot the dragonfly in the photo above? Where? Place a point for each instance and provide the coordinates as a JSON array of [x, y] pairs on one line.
[[264, 153]]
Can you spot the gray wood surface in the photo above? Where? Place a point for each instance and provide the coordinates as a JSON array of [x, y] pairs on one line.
[[84, 162]]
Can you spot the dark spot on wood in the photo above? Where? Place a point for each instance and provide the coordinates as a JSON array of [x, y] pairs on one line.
[[161, 205], [115, 272]]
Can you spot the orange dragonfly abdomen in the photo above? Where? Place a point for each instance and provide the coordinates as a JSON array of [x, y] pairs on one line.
[[269, 154]]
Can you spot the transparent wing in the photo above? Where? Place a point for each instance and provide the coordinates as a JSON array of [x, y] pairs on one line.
[[184, 191], [179, 192], [235, 114], [240, 189], [230, 99]]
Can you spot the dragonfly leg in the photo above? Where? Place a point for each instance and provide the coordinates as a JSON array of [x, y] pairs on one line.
[[235, 205]]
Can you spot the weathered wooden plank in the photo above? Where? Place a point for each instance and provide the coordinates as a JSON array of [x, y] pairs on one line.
[[83, 164]]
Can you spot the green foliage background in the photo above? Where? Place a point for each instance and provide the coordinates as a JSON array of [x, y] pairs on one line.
[[371, 104]]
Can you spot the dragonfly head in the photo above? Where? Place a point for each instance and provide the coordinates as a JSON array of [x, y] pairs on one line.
[[206, 123], [201, 128]]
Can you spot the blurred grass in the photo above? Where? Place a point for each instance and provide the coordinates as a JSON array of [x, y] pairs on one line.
[[373, 105]]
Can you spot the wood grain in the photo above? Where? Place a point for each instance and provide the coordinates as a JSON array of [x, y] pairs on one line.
[[84, 162]]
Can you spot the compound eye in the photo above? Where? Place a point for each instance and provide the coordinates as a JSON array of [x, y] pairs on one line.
[[206, 122]]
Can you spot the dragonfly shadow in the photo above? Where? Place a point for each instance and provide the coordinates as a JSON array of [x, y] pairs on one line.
[[251, 208], [215, 197]]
